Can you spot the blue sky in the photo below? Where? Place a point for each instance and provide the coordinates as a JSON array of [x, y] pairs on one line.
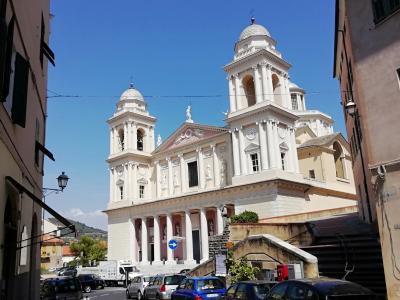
[[170, 48]]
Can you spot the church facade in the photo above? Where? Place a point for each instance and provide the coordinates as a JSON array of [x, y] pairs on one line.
[[273, 157]]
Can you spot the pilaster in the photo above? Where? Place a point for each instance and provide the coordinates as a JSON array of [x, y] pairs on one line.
[[257, 84], [235, 151], [263, 145], [204, 235], [242, 154]]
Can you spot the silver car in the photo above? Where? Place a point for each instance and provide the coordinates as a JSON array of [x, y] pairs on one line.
[[162, 286], [136, 287]]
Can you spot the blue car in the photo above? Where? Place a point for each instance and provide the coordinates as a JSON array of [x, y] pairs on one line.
[[199, 288]]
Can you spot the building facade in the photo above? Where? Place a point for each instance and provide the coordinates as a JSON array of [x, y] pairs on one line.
[[176, 189], [367, 65], [24, 56]]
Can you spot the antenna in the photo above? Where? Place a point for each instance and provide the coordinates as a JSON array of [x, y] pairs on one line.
[[131, 82], [252, 18]]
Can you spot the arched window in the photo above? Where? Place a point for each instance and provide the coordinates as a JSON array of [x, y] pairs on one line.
[[249, 90], [276, 87], [338, 157], [294, 102], [139, 141], [121, 139]]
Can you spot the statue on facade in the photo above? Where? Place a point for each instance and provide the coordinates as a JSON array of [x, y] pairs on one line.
[[208, 172], [189, 114], [223, 172], [159, 140]]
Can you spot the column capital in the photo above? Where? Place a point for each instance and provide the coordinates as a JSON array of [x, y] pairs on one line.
[[168, 158], [255, 67], [180, 155], [236, 75], [213, 147], [157, 162], [199, 150]]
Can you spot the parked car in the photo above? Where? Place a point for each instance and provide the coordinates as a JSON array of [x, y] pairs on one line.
[[254, 289], [90, 282], [162, 286], [321, 288], [68, 271], [197, 288], [61, 288], [136, 287]]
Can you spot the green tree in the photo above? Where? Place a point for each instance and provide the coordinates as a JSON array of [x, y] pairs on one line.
[[245, 217], [240, 269], [87, 250]]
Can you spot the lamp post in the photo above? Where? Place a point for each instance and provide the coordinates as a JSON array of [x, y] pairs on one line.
[[62, 181], [351, 109]]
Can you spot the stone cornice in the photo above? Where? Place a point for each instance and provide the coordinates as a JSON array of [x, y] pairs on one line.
[[263, 53], [127, 114]]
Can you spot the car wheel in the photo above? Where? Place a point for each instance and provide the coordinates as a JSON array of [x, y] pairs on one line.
[[139, 295], [144, 296], [87, 289], [128, 296], [157, 297]]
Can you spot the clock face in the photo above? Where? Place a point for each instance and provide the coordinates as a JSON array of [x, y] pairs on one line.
[[251, 133]]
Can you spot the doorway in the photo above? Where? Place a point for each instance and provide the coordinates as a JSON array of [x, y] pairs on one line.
[[151, 254], [196, 245]]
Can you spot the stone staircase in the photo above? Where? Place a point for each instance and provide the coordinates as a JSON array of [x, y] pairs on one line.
[[347, 248], [217, 243]]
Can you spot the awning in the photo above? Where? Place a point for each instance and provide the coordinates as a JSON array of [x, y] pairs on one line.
[[51, 211]]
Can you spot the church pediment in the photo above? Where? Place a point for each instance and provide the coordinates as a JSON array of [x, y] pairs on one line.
[[189, 133], [252, 147]]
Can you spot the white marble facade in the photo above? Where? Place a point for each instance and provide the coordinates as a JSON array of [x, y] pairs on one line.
[[177, 189]]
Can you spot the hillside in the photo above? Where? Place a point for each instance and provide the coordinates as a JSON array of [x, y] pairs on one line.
[[81, 229]]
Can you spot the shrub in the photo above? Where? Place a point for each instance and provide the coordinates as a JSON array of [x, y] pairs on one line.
[[245, 217]]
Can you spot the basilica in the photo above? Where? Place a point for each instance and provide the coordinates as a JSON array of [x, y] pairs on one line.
[[274, 157]]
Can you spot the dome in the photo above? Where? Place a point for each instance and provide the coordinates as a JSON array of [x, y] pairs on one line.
[[293, 86], [131, 94], [252, 30]]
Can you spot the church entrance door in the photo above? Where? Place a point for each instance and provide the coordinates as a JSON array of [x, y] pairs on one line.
[[196, 245]]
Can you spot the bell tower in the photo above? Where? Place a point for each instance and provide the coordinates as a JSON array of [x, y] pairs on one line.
[[131, 144], [260, 118]]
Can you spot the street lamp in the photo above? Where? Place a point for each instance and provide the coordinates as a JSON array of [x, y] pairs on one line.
[[351, 109], [62, 181]]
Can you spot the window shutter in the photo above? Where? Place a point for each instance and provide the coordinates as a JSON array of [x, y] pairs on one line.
[[18, 110], [8, 56]]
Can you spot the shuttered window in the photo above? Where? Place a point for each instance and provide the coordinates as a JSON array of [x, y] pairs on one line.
[[8, 60], [20, 91], [192, 172], [3, 44], [44, 48]]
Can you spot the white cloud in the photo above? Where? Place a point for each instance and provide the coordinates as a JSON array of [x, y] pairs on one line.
[[94, 218]]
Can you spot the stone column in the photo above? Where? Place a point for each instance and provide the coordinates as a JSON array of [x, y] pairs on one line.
[[170, 183], [264, 80], [188, 239], [134, 185], [204, 235], [220, 222], [170, 252], [151, 130], [116, 140], [276, 145], [263, 145], [145, 260], [126, 136], [134, 136], [132, 240], [232, 96], [146, 147], [271, 145], [286, 91], [257, 85], [215, 165], [242, 154], [269, 83], [157, 244], [235, 151], [296, 168], [238, 95], [112, 185], [111, 141], [201, 167], [182, 170], [126, 183], [158, 178]]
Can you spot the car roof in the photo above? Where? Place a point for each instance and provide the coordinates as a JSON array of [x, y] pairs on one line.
[[331, 286], [258, 282], [203, 277]]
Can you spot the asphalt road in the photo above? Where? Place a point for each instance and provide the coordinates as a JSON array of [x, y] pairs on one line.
[[109, 293]]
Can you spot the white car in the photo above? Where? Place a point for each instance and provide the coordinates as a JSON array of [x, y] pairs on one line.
[[136, 287]]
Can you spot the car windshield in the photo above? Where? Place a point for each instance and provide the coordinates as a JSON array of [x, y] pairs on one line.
[[128, 269], [147, 279], [173, 280], [66, 285], [261, 290], [209, 284]]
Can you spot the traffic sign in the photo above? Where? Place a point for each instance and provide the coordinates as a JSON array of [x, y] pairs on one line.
[[172, 244]]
